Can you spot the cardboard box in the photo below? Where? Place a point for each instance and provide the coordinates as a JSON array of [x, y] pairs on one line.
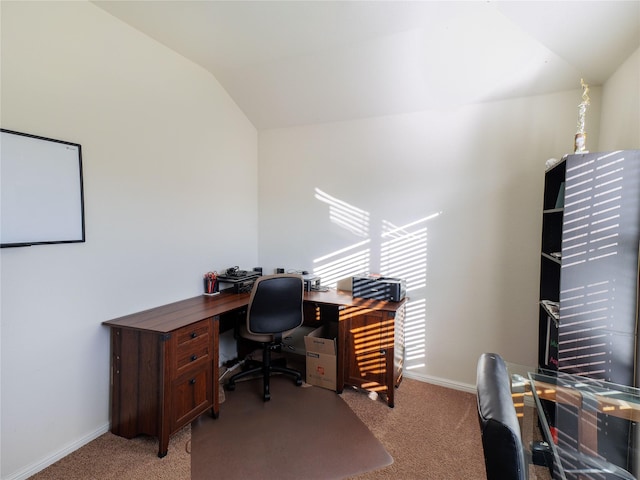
[[294, 344], [320, 345], [293, 349]]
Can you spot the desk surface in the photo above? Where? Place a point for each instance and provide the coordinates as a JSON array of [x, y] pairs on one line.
[[172, 316], [345, 299]]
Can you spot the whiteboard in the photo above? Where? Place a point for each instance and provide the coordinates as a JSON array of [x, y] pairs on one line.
[[41, 192]]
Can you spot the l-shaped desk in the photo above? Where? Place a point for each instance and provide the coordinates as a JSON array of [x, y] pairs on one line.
[[164, 361]]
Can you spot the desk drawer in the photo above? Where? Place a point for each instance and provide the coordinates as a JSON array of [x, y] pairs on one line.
[[191, 395], [192, 346], [190, 333]]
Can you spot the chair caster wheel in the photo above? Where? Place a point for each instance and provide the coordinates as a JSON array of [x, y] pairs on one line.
[[298, 382], [230, 387], [266, 397]]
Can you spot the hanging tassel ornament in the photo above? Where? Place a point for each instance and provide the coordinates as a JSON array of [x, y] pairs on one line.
[[580, 141]]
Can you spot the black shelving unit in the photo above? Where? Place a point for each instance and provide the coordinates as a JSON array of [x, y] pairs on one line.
[[550, 265], [589, 270], [589, 266]]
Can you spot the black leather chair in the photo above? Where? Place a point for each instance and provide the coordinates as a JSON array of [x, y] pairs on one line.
[[274, 311], [501, 438]]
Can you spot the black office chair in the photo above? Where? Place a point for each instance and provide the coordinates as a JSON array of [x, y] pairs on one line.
[[275, 310], [501, 438]]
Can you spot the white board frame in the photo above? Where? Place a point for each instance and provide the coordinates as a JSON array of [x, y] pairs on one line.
[[41, 190]]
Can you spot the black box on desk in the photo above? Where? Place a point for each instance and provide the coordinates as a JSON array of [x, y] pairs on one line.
[[379, 288], [239, 283]]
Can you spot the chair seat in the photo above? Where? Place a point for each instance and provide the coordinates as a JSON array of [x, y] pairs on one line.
[[260, 337]]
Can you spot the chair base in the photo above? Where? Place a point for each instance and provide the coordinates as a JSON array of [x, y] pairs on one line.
[[266, 368]]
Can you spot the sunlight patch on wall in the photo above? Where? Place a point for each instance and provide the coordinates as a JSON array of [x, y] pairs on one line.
[[402, 253], [415, 350], [346, 216], [342, 263]]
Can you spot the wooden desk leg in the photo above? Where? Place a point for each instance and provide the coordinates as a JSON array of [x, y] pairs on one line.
[[164, 420], [391, 387], [341, 354], [588, 431], [163, 447], [215, 408]]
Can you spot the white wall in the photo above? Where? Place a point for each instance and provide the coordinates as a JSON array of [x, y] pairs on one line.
[[621, 107], [165, 151], [480, 168]]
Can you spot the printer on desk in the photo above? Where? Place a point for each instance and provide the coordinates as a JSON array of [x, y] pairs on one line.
[[311, 282], [379, 288]]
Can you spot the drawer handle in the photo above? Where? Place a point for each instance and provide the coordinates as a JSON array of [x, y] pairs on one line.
[[194, 334], [192, 381], [194, 358]]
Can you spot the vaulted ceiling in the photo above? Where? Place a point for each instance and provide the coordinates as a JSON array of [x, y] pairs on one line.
[[289, 63]]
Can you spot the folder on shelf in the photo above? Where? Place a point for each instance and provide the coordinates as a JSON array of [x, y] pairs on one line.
[[560, 199]]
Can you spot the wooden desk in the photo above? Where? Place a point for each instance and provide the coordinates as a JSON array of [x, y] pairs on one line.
[[164, 361], [370, 340], [164, 366]]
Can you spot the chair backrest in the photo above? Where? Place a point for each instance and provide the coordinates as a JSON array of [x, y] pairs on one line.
[[276, 303], [501, 437]]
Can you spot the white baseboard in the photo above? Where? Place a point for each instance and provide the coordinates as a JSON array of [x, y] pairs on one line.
[[442, 382], [30, 470]]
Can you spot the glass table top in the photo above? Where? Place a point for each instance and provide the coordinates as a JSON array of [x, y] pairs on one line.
[[591, 427]]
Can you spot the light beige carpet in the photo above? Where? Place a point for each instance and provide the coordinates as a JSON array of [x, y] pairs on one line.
[[110, 457]]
